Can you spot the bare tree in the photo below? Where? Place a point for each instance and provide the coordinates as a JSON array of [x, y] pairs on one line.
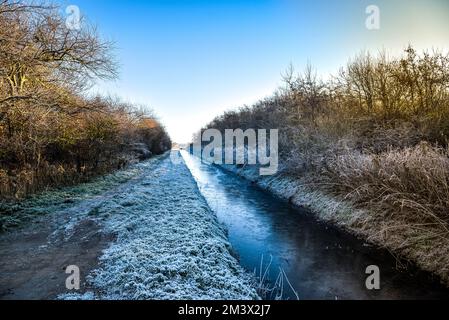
[[308, 92], [39, 50]]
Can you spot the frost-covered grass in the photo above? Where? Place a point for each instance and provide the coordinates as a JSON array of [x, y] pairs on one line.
[[169, 243], [13, 214]]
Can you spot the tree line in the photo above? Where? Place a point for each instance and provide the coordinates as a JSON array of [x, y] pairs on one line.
[[368, 97], [52, 131]]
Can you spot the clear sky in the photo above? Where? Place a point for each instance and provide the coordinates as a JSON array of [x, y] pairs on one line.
[[190, 60]]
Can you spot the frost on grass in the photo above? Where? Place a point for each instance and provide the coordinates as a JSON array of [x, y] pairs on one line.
[[169, 243], [77, 297], [14, 214]]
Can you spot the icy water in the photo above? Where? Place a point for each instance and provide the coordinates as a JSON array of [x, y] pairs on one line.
[[319, 261]]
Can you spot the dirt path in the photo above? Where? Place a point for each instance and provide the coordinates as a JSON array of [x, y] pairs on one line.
[[31, 267], [148, 234], [34, 257]]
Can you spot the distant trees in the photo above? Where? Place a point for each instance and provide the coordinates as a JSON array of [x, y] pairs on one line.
[[373, 103], [50, 132]]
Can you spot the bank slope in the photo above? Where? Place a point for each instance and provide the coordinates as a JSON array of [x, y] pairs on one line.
[[431, 256], [169, 243]]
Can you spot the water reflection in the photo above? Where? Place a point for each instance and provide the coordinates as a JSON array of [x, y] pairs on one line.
[[320, 262]]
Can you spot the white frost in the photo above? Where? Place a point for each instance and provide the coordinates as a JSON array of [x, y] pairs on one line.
[[169, 243]]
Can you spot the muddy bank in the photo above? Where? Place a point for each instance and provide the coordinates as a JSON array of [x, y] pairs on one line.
[[33, 268], [431, 256]]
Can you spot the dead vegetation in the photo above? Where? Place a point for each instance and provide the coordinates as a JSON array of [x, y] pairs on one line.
[[374, 135], [51, 132]]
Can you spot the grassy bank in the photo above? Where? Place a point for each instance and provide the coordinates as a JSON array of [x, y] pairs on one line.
[[366, 150], [141, 233]]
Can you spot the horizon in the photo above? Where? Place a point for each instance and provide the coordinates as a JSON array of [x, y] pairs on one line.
[[189, 61]]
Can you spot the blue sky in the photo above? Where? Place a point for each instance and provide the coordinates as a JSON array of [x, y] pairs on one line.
[[191, 60]]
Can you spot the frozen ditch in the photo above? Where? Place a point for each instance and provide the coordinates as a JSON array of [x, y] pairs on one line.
[[319, 261]]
